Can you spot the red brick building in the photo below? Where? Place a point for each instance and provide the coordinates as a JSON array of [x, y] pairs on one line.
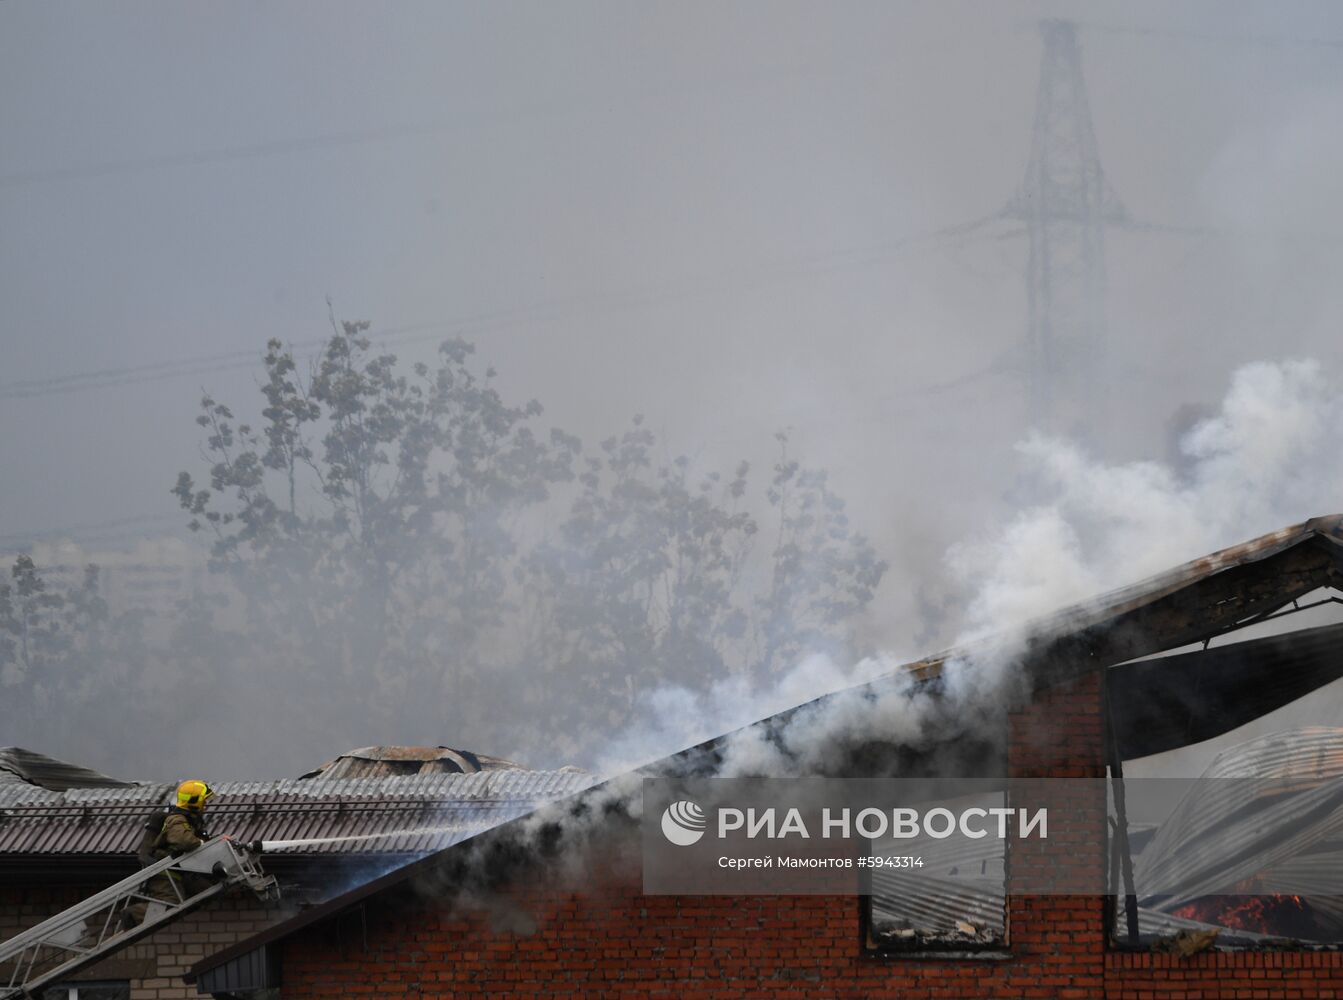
[[536, 926]]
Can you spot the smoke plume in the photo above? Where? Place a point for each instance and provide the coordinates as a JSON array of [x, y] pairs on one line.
[[1263, 460]]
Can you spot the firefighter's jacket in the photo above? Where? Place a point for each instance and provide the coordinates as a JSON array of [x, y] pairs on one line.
[[182, 831]]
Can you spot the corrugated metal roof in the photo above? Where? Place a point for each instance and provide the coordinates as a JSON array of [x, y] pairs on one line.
[[967, 882], [1277, 821], [405, 815], [931, 905]]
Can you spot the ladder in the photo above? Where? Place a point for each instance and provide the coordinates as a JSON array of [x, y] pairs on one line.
[[96, 928]]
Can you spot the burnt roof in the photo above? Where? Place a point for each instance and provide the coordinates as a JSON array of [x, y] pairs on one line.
[[1228, 589], [1174, 701], [1189, 602], [386, 761], [27, 767]]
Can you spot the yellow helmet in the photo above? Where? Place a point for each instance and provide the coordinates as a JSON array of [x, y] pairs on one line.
[[193, 794]]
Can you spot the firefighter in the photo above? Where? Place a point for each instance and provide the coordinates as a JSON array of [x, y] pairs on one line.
[[180, 831], [184, 826], [157, 837]]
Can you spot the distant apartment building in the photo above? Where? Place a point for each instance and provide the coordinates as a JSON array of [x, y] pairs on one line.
[[141, 574]]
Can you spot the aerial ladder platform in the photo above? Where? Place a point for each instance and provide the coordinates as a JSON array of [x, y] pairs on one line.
[[104, 923]]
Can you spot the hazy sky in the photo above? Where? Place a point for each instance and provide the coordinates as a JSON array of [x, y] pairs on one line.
[[689, 210]]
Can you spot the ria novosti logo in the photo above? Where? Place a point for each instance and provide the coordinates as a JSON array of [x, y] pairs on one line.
[[683, 823]]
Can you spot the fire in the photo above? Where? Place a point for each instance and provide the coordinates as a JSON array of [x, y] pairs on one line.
[[1284, 916]]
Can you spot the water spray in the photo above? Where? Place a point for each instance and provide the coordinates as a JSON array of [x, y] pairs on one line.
[[277, 845]]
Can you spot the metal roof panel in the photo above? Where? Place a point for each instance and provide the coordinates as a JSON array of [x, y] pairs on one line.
[[412, 814]]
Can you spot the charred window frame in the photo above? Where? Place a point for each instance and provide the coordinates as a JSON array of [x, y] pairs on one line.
[[919, 912], [1186, 698]]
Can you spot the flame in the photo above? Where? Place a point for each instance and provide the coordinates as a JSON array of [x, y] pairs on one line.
[[1288, 916]]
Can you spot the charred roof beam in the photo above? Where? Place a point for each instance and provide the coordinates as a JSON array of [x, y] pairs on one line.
[[1214, 605]]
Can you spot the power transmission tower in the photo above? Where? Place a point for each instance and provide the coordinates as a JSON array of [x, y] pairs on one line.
[[1066, 203]]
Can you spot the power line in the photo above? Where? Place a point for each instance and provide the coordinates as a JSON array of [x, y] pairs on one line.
[[1267, 41], [554, 309], [1305, 237], [820, 264], [154, 371], [767, 76], [122, 528], [220, 155], [814, 265]]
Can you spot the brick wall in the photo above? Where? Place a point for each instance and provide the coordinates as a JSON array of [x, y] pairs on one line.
[[155, 965], [608, 939]]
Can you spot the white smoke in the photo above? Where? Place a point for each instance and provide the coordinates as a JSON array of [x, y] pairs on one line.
[[1266, 459], [671, 718]]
